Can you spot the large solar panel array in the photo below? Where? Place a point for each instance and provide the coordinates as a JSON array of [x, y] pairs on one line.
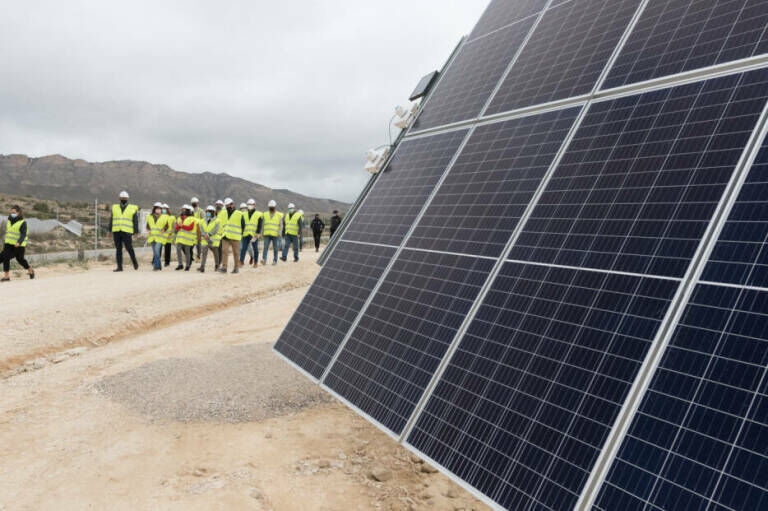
[[557, 291]]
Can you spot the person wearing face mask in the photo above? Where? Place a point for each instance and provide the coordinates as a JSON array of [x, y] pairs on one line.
[[187, 236], [233, 233], [271, 230], [291, 228], [170, 233], [210, 231], [252, 226], [124, 224], [221, 214], [199, 214], [257, 224], [157, 226], [15, 243]]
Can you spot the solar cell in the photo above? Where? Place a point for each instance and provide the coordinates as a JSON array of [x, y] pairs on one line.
[[468, 82], [740, 255], [526, 402], [488, 188], [397, 345], [566, 53], [699, 439], [673, 36], [501, 13], [393, 204], [641, 179], [330, 306]]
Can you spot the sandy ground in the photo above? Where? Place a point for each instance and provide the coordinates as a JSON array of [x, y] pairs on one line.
[[175, 401]]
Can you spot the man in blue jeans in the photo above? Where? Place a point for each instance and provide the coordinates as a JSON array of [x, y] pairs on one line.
[[291, 228], [271, 230]]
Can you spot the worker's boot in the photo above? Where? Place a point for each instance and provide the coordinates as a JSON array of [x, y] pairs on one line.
[[222, 270], [180, 267], [117, 270], [256, 263], [201, 270]]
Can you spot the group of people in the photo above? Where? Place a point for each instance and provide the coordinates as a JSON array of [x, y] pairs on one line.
[[218, 230]]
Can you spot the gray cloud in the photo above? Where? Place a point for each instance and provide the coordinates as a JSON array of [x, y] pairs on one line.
[[288, 94]]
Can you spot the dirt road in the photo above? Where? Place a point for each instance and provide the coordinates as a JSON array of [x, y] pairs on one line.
[[175, 401]]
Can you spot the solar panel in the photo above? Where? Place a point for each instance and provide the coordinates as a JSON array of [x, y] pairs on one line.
[[740, 255], [468, 82], [391, 355], [673, 36], [699, 439], [399, 194], [566, 53], [501, 13], [328, 309], [485, 193], [523, 408], [642, 177]]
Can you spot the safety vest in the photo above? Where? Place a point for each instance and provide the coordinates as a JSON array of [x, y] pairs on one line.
[[272, 223], [209, 227], [13, 232], [292, 223], [171, 232], [122, 219], [233, 229], [156, 234], [188, 238], [252, 223]]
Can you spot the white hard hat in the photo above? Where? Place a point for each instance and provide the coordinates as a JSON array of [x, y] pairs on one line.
[[220, 202], [157, 205], [291, 205], [124, 195], [251, 201], [210, 208], [228, 201], [301, 211], [243, 205], [186, 206], [166, 206], [272, 204], [195, 199]]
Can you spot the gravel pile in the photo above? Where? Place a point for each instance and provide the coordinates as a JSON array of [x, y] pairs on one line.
[[236, 384]]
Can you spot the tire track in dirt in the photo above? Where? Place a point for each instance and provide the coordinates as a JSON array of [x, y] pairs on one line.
[[16, 364]]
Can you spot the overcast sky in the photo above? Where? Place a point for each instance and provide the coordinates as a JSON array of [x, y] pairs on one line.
[[288, 94]]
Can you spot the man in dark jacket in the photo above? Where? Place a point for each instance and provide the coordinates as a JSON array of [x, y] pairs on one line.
[[317, 226], [335, 222]]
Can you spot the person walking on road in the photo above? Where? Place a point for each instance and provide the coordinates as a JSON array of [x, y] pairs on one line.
[[124, 224], [317, 227], [199, 214], [210, 231], [157, 225], [170, 234], [335, 222], [15, 243], [233, 233], [271, 230], [291, 228], [187, 235], [252, 229]]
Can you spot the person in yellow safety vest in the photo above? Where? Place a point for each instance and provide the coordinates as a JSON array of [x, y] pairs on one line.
[[233, 233], [211, 232], [169, 234], [271, 230], [292, 226], [124, 224], [221, 214], [249, 214], [199, 214], [255, 224], [15, 243], [157, 225], [187, 235]]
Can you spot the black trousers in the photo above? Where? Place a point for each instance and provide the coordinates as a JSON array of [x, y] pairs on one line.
[[167, 253], [123, 238], [317, 235], [10, 252]]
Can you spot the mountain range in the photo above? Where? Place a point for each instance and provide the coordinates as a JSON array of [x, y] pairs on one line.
[[64, 179]]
